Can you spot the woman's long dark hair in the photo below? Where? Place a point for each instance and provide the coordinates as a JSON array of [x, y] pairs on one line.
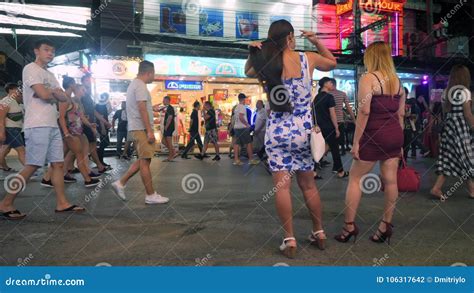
[[268, 63]]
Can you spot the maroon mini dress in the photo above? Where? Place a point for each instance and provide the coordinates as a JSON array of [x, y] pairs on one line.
[[383, 136]]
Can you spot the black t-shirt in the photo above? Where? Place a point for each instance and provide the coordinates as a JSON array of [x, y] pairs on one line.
[[194, 127], [122, 124], [170, 113], [88, 106], [321, 105], [211, 122]]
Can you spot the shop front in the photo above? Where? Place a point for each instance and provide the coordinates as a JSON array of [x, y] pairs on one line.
[[188, 79]]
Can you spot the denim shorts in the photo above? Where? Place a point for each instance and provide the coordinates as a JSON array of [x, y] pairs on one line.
[[43, 145], [14, 137]]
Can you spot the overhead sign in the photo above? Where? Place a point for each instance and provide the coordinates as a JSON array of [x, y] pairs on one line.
[[371, 6], [197, 66], [183, 85]]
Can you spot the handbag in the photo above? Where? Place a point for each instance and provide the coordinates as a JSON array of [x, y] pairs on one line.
[[317, 142], [408, 179]]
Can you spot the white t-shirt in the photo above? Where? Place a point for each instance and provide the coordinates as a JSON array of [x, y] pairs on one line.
[[15, 113], [38, 112], [137, 91], [240, 109], [261, 120]]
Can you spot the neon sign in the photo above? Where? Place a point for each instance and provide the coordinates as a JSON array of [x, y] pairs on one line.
[[373, 6]]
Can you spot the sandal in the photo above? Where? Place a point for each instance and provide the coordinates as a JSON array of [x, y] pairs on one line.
[[8, 169], [288, 250], [346, 174], [73, 208], [318, 177], [316, 240], [8, 215]]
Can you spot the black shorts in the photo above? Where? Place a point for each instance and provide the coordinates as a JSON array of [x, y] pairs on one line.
[[89, 134], [14, 137], [242, 136], [168, 133]]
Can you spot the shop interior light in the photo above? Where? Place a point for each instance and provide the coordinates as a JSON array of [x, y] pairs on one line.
[[39, 33]]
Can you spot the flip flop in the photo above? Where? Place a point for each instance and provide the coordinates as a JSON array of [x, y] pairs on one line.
[[73, 208], [8, 215], [168, 160], [318, 177], [8, 169], [346, 174]]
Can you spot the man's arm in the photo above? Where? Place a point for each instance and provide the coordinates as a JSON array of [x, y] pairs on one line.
[[349, 108], [332, 112], [3, 115], [144, 115], [102, 119]]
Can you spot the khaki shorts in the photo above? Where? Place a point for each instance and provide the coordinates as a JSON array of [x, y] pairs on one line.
[[145, 150]]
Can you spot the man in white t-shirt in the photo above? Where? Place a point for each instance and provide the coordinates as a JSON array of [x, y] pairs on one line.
[[140, 126], [41, 92], [242, 132]]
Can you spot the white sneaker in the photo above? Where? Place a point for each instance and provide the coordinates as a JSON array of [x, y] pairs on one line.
[[119, 189], [156, 199]]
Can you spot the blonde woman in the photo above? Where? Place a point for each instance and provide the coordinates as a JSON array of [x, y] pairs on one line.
[[378, 137], [456, 153]]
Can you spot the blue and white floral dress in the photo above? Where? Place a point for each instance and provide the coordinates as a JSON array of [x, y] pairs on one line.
[[287, 136]]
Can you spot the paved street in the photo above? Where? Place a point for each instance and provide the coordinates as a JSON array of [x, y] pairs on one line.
[[231, 221]]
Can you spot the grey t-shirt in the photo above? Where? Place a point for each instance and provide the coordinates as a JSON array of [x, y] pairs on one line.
[[137, 91], [38, 112]]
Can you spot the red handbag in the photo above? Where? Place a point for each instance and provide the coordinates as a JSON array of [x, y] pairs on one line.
[[408, 179]]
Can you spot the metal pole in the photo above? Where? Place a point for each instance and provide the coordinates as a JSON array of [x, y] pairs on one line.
[[356, 50], [429, 24]]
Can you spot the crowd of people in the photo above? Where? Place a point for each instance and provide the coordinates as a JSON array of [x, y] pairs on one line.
[[60, 125]]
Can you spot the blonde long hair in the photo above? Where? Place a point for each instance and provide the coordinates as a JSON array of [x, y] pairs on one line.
[[378, 57]]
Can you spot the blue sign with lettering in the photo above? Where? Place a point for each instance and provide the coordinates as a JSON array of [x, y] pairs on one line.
[[183, 85]]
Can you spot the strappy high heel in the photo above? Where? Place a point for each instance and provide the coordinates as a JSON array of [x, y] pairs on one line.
[[383, 236], [316, 240], [288, 250], [346, 237]]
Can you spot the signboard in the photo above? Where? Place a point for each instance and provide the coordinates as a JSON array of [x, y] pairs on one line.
[[114, 69], [211, 23], [183, 85], [373, 6], [197, 66], [246, 25], [172, 19]]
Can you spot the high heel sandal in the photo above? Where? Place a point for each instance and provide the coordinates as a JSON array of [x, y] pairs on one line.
[[288, 250], [383, 235], [346, 237], [316, 240]]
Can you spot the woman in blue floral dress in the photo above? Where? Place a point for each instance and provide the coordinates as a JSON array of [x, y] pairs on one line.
[[286, 76]]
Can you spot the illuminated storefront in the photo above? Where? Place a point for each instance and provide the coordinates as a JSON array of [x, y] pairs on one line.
[[381, 20]]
